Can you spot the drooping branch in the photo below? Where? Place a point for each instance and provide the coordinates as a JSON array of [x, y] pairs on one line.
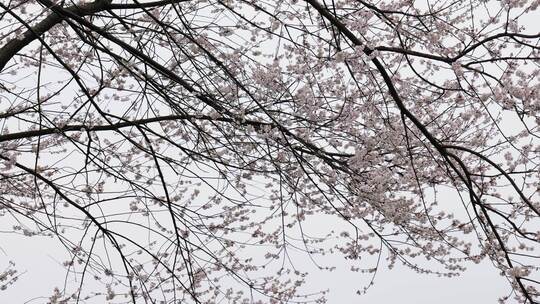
[[463, 174]]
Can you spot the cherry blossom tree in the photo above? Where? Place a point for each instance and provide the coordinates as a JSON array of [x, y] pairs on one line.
[[191, 151]]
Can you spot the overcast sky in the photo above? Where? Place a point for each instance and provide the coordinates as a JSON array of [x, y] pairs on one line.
[[39, 259]]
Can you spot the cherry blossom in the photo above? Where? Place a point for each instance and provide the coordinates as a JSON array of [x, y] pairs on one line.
[[220, 151]]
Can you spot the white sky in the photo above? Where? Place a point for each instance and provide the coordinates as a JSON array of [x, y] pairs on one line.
[[39, 260]]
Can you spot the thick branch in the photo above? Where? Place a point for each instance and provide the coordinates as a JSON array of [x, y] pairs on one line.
[[15, 45], [124, 124], [12, 47]]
